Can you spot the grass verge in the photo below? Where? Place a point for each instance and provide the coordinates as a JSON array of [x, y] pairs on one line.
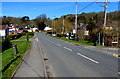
[[83, 42], [11, 61], [24, 37]]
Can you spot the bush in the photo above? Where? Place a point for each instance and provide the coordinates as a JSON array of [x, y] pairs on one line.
[[31, 33], [11, 36], [19, 35], [6, 44], [49, 32], [23, 33], [61, 35]]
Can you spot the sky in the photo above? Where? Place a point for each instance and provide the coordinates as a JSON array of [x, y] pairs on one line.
[[51, 9], [56, 0]]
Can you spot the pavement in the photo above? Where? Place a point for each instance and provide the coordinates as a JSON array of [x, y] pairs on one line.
[[33, 63]]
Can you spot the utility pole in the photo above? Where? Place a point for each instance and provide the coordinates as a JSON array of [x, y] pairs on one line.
[[63, 28], [54, 25], [105, 12], [76, 20], [99, 37]]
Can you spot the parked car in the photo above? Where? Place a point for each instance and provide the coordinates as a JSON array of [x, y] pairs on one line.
[[54, 35]]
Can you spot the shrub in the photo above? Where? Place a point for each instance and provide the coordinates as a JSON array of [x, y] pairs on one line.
[[49, 32], [61, 35], [6, 44], [31, 33], [23, 33], [11, 36], [19, 35]]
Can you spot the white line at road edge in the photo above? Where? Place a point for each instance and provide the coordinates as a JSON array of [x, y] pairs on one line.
[[58, 44], [88, 58], [119, 73], [68, 49]]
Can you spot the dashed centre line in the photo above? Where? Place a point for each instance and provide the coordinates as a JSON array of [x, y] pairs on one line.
[[88, 58], [59, 45], [68, 48]]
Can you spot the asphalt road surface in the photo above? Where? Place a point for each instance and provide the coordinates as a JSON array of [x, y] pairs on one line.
[[66, 60]]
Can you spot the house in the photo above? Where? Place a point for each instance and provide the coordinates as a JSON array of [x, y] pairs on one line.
[[2, 31], [82, 31], [47, 29]]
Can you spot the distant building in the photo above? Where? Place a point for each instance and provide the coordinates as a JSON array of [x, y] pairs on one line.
[[82, 31], [2, 31], [47, 29]]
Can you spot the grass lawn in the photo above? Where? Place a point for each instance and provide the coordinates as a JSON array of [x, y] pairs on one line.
[[83, 42], [24, 37], [10, 61]]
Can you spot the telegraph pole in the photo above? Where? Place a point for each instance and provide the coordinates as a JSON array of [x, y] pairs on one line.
[[99, 37], [105, 12], [76, 20], [63, 28], [54, 25]]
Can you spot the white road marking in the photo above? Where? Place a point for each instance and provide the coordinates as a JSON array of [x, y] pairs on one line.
[[88, 58], [36, 39], [119, 73], [58, 44], [68, 48]]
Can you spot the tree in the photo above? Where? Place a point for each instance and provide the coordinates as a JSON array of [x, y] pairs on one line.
[[39, 24], [42, 17], [5, 21], [25, 20], [91, 26]]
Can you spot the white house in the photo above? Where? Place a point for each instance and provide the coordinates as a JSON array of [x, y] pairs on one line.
[[2, 33], [47, 28]]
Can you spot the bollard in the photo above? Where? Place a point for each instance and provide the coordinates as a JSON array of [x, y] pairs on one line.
[[15, 49], [27, 36]]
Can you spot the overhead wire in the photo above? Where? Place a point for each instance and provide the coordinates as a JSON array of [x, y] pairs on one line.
[[87, 6], [99, 4]]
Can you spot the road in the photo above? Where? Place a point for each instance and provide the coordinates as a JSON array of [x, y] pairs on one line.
[[66, 60]]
